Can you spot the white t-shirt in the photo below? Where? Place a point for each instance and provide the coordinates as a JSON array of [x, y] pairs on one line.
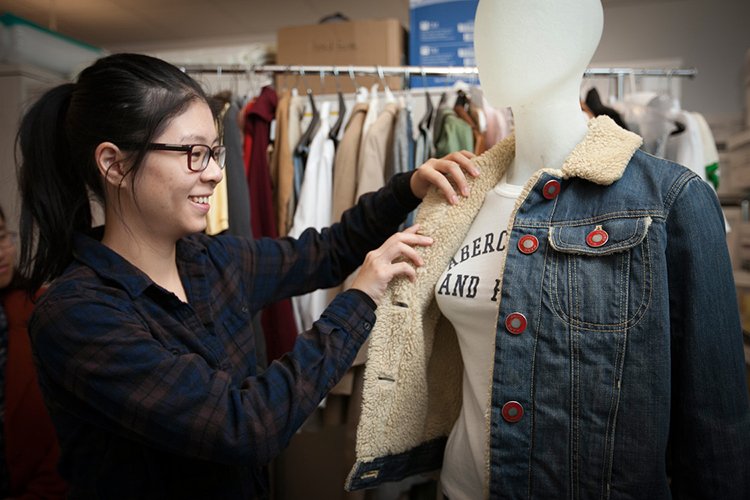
[[468, 294]]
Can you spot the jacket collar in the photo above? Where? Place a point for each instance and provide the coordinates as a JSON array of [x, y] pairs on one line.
[[601, 156]]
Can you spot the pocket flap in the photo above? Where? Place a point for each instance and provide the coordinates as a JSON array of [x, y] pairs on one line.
[[623, 233]]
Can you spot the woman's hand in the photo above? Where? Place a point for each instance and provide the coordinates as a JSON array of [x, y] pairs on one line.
[[390, 260], [436, 170]]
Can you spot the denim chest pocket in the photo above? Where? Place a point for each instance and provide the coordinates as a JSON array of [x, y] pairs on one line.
[[601, 272]]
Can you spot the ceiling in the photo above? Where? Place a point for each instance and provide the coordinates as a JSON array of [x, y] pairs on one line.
[[132, 24], [117, 24]]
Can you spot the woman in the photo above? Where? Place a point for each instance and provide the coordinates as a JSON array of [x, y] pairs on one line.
[[144, 339], [27, 437]]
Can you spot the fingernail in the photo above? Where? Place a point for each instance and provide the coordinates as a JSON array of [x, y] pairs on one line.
[[454, 199], [465, 191]]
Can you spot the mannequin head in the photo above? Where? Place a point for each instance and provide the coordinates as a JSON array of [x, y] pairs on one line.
[[527, 50]]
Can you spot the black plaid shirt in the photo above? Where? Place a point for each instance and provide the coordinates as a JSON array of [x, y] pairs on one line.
[[156, 398]]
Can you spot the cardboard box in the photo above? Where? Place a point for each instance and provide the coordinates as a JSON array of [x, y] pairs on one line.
[[351, 43], [441, 33]]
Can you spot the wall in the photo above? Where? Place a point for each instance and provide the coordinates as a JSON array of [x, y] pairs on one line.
[[710, 35], [19, 86]]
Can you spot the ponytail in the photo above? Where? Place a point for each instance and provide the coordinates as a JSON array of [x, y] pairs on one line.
[[54, 197]]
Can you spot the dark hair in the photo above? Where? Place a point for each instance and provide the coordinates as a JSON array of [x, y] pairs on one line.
[[123, 99]]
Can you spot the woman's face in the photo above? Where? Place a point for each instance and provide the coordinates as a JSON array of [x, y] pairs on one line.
[[171, 201], [7, 255]]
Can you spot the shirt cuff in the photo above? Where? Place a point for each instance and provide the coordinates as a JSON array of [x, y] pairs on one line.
[[366, 298], [352, 311]]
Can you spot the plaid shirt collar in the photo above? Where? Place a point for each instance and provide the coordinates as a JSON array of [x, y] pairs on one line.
[[109, 265]]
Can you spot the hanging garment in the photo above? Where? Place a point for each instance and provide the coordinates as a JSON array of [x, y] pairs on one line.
[[277, 319], [258, 126], [372, 113], [247, 143], [686, 147], [598, 108], [498, 127], [238, 195], [345, 163], [376, 151], [710, 153], [217, 218], [282, 165], [617, 309], [296, 117], [424, 147], [314, 210], [477, 136], [451, 133], [403, 144], [345, 172]]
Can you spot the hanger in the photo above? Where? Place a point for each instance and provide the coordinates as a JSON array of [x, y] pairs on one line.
[[303, 145], [361, 92], [408, 101], [595, 104], [443, 99], [388, 94], [426, 122], [334, 133], [462, 100]]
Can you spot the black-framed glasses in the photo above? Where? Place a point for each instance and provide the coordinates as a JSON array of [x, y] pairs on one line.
[[198, 155]]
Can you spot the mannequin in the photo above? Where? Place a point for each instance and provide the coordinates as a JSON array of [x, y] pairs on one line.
[[576, 338], [531, 57], [532, 61]]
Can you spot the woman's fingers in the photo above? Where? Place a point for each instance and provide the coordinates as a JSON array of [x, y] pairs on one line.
[[437, 170], [396, 257]]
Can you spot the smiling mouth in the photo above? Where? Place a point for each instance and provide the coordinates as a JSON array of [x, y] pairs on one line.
[[203, 200]]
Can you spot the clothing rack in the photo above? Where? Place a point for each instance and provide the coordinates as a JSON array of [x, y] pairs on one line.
[[406, 71]]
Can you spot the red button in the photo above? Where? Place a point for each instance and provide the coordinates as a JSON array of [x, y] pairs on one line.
[[551, 189], [528, 244], [597, 237], [512, 411], [515, 323]]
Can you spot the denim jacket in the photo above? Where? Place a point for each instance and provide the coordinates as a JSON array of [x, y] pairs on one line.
[[625, 377]]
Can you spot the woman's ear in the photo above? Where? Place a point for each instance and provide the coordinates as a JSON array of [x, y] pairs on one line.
[[111, 163]]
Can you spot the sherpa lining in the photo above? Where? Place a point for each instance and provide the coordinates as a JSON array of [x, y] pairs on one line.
[[413, 376]]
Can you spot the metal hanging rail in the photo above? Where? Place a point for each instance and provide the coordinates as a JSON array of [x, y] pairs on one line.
[[406, 71], [411, 70]]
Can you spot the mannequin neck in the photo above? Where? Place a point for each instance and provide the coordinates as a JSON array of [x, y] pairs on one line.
[[546, 132]]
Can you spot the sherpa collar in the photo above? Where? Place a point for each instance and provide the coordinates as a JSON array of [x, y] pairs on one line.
[[603, 154]]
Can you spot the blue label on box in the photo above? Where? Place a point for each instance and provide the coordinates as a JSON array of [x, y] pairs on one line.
[[441, 34]]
